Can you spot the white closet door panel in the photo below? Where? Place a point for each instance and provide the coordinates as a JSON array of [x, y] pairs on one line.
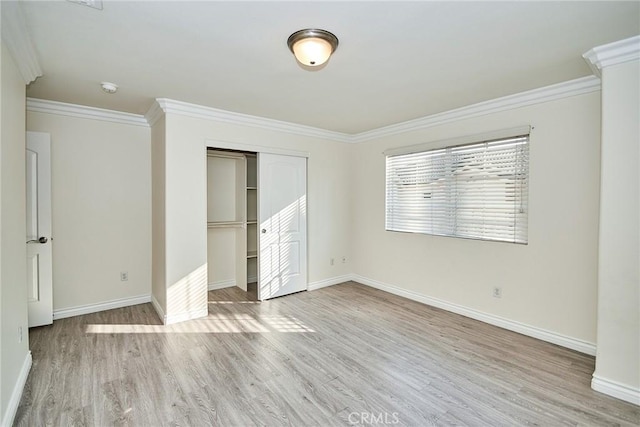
[[282, 220]]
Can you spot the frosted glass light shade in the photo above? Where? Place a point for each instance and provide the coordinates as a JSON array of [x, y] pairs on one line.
[[312, 47], [312, 51]]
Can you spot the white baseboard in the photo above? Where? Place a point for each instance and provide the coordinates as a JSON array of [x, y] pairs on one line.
[[102, 306], [221, 284], [616, 389], [14, 400], [159, 310], [187, 315], [328, 282], [168, 319], [524, 329]]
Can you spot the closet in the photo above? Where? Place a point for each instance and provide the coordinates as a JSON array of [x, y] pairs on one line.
[[256, 222], [232, 236]]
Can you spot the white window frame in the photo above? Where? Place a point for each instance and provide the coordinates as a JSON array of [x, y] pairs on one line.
[[472, 187]]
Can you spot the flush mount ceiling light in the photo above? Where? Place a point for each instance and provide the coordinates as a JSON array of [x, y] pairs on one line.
[[312, 47], [109, 87]]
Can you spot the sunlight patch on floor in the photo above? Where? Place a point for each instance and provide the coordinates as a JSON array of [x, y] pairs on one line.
[[214, 324], [286, 324]]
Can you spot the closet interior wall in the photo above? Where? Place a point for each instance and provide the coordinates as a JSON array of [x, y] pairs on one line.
[[252, 218]]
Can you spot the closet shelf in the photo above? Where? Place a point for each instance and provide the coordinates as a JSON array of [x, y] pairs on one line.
[[252, 254], [252, 188], [225, 224], [252, 221]]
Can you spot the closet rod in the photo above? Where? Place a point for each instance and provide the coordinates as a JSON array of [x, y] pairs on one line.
[[226, 224], [225, 156]]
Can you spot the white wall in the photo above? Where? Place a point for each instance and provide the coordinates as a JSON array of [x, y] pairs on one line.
[[2, 403], [158, 280], [618, 355], [101, 208], [328, 176], [548, 284], [185, 184], [13, 264]]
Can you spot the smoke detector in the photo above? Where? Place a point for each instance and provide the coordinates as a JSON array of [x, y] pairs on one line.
[[109, 87]]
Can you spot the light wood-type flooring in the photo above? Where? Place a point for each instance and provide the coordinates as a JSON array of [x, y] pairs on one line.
[[342, 355]]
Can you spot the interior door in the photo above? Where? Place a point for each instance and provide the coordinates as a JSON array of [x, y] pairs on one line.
[[39, 262], [282, 207]]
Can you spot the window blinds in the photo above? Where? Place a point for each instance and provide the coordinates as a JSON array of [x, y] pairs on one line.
[[476, 191]]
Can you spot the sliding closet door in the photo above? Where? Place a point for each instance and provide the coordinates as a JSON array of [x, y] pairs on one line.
[[283, 225]]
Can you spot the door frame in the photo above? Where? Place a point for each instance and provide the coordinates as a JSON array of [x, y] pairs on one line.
[[229, 145], [256, 148]]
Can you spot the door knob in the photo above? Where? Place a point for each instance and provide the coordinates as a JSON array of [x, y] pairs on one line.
[[42, 240], [264, 230]]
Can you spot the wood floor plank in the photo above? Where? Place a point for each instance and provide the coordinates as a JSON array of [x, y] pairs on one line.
[[342, 355]]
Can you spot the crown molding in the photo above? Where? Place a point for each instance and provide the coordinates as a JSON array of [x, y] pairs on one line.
[[16, 37], [84, 112], [536, 96], [201, 112], [154, 113], [162, 106], [612, 54]]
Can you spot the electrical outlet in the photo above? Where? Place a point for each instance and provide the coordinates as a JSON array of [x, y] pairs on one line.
[[331, 261], [124, 276], [497, 292], [344, 259], [19, 334]]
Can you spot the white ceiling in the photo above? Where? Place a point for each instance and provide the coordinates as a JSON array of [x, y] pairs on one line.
[[396, 60]]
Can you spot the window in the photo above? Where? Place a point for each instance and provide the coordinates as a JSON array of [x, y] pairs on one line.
[[475, 191]]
